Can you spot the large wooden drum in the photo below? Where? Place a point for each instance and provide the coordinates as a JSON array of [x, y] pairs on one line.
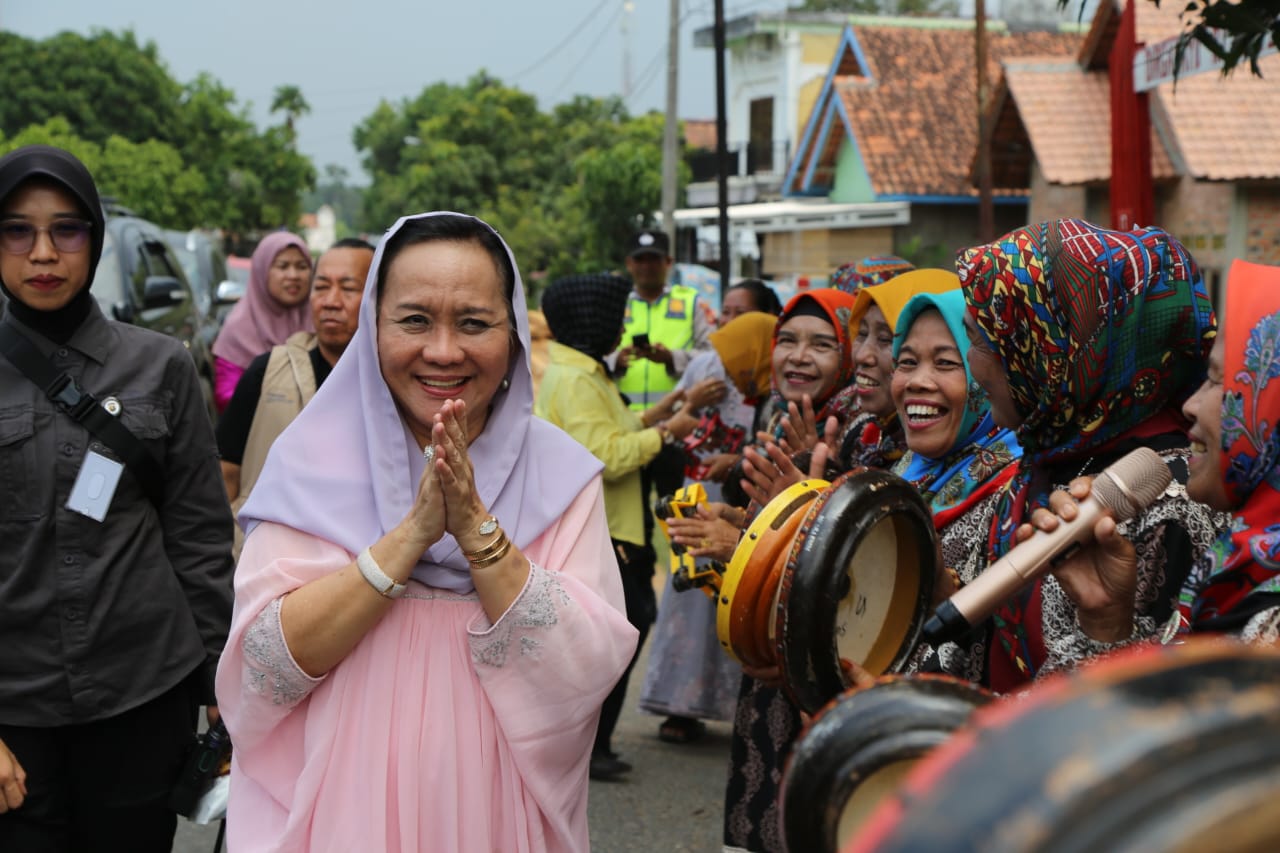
[[1160, 749], [857, 586], [857, 749], [749, 588]]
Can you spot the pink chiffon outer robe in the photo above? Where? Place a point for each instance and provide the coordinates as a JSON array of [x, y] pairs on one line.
[[440, 731]]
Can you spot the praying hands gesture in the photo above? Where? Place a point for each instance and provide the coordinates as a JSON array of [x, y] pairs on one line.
[[323, 620], [451, 467], [497, 584]]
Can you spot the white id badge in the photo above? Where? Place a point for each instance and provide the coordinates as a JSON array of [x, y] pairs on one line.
[[95, 486]]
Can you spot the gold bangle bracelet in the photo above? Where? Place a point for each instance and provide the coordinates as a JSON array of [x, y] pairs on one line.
[[485, 549], [490, 559]]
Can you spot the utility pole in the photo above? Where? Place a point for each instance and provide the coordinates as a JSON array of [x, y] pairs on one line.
[[670, 129], [627, 7], [722, 151], [986, 208]]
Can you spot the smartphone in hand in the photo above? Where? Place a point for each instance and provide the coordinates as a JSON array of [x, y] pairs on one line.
[[640, 341]]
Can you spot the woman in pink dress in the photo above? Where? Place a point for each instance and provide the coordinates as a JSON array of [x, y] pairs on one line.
[[274, 306], [428, 609]]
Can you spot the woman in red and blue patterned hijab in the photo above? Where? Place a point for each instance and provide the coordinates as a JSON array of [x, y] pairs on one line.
[[1088, 341]]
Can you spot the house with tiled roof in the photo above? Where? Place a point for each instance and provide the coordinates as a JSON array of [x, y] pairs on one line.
[[851, 135], [1214, 159], [897, 120]]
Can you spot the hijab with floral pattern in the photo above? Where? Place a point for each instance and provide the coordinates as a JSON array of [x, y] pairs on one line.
[[1243, 571]]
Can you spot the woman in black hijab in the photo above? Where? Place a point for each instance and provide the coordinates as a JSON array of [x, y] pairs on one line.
[[115, 573], [585, 314]]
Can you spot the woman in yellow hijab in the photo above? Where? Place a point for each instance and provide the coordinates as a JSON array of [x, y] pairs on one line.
[[689, 678]]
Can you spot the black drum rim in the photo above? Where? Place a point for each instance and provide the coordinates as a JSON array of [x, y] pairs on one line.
[[810, 600], [1205, 694], [858, 734]]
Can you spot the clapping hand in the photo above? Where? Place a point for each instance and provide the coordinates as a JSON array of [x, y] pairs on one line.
[[800, 428], [705, 393], [771, 472], [705, 535]]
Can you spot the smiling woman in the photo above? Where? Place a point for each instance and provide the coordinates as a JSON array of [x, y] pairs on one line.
[[427, 597], [958, 456], [273, 307], [444, 329]]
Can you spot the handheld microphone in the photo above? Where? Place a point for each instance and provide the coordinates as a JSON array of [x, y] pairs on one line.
[[1123, 489]]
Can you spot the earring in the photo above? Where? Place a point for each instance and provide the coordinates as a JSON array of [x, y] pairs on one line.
[[506, 383]]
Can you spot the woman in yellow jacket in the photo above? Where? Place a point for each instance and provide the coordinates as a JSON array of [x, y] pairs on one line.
[[578, 395]]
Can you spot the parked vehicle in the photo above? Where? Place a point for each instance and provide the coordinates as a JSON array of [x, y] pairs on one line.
[[205, 265], [140, 280]]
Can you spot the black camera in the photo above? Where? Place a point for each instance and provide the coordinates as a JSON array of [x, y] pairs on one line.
[[210, 751]]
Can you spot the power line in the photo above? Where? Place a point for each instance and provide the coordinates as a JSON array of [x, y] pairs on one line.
[[565, 41], [591, 48], [648, 74]]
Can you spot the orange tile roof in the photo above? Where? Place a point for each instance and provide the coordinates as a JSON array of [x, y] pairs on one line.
[[1227, 128], [1076, 151], [1212, 124], [700, 133], [915, 120]]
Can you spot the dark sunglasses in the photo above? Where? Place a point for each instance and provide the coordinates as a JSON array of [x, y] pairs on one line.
[[68, 235]]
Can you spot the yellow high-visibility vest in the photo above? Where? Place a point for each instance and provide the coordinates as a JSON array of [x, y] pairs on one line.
[[669, 322]]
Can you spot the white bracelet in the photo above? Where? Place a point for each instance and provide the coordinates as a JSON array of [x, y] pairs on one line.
[[377, 578]]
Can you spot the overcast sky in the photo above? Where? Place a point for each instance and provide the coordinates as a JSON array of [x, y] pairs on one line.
[[346, 56]]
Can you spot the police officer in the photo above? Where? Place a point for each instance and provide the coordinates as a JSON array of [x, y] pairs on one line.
[[664, 326]]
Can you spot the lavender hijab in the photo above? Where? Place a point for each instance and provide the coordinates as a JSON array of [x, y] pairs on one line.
[[347, 469], [258, 322]]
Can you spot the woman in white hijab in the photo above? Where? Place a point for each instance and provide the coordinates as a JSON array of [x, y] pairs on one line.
[[402, 674]]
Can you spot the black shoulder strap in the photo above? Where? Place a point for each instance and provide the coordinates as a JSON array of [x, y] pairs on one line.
[[83, 408]]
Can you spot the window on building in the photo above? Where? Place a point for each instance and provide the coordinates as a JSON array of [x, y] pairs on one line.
[[760, 141]]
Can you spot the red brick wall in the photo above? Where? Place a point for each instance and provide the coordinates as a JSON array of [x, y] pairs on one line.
[[1262, 235], [1199, 214], [1054, 201]]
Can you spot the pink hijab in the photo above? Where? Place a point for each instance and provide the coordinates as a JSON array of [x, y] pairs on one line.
[[347, 469], [258, 322]]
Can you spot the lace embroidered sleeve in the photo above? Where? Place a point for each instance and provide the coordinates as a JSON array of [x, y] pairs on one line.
[[269, 669], [535, 609]]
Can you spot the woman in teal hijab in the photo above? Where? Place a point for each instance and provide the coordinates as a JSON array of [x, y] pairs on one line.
[[957, 456]]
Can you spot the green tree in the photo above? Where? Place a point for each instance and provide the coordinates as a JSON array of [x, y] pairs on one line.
[[617, 188], [104, 84], [148, 178], [564, 187], [289, 100], [184, 155]]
